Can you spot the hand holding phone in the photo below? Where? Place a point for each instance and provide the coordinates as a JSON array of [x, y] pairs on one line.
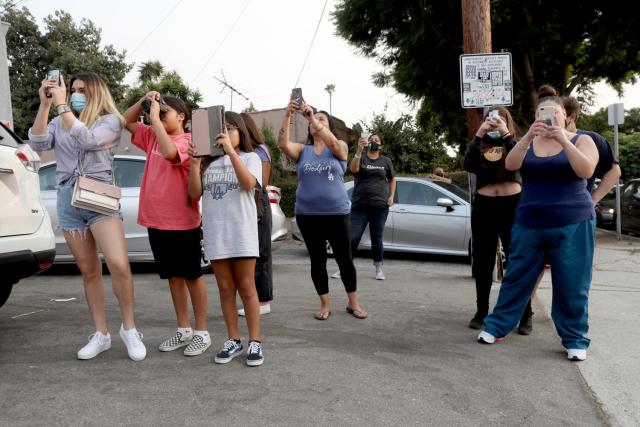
[[546, 114], [296, 95], [53, 77]]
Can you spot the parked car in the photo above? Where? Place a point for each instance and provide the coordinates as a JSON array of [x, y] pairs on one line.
[[26, 238], [128, 171], [629, 208], [427, 217]]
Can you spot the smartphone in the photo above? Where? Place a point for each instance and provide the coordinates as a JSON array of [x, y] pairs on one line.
[[494, 114], [206, 124], [296, 95], [51, 76], [546, 114]]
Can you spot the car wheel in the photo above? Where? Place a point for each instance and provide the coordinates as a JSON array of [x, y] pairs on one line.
[[5, 291]]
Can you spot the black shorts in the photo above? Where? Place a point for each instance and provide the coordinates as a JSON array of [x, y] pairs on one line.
[[177, 252]]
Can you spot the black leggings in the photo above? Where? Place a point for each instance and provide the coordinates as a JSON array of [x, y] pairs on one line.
[[491, 217], [264, 271], [316, 231]]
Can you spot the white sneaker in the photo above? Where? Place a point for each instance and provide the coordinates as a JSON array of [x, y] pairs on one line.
[[98, 342], [264, 309], [380, 275], [576, 355], [133, 340], [486, 338], [336, 275]]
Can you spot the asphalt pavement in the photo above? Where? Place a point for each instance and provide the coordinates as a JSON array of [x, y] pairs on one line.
[[412, 362]]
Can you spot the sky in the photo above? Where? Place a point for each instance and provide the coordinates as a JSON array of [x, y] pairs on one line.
[[259, 45]]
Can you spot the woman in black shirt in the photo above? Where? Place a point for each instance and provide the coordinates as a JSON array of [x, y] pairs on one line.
[[494, 205], [373, 194]]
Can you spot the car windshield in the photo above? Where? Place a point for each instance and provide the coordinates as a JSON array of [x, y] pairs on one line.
[[6, 138], [453, 188]]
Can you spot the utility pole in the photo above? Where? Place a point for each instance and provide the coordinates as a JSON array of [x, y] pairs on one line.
[[476, 32], [223, 81]]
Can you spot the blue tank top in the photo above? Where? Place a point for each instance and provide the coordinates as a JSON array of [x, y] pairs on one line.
[[321, 184], [552, 194]]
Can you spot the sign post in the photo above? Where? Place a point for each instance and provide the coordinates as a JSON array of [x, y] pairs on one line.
[[486, 80], [616, 117]]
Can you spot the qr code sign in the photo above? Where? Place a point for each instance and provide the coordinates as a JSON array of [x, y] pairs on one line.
[[470, 71]]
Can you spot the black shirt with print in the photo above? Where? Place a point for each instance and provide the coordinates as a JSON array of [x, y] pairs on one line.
[[371, 188]]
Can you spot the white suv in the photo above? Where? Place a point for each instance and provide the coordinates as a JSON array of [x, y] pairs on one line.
[[27, 244]]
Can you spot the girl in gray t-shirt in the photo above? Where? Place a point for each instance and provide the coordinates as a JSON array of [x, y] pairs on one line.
[[230, 227]]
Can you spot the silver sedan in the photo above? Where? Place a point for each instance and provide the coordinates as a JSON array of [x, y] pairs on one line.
[[128, 171], [427, 217]]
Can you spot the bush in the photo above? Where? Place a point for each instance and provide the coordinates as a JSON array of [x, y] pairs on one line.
[[288, 184]]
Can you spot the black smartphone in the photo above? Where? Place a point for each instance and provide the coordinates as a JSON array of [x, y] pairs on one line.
[[296, 95], [53, 75], [206, 123]]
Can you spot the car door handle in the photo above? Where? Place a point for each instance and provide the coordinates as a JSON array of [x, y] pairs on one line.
[[6, 171], [402, 210]]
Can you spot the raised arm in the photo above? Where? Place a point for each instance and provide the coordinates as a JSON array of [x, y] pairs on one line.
[[290, 149], [41, 135], [354, 166], [195, 182], [338, 148], [583, 156]]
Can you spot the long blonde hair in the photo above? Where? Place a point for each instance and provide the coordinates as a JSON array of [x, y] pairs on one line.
[[99, 99]]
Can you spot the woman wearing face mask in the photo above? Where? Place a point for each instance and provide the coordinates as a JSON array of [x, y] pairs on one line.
[[373, 194], [555, 224], [172, 217], [86, 132], [322, 205], [494, 205]]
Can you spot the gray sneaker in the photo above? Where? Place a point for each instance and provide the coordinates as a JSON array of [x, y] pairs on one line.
[[178, 340], [199, 344], [230, 350]]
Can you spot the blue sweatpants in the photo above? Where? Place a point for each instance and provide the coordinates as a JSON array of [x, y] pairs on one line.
[[569, 250]]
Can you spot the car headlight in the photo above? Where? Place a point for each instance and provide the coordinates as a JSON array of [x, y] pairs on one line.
[[610, 210]]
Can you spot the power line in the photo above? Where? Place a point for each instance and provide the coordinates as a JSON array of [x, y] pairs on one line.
[[156, 27], [311, 45], [222, 42]]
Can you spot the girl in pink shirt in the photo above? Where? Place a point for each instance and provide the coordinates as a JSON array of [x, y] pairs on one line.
[[170, 215]]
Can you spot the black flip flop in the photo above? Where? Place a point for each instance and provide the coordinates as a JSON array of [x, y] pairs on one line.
[[352, 312]]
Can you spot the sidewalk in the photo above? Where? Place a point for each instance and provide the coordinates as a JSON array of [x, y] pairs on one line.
[[612, 369]]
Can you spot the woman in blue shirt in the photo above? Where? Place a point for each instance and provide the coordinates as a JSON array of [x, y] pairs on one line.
[[322, 205], [554, 223]]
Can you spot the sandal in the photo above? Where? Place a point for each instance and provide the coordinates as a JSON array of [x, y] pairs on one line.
[[358, 313], [322, 315]]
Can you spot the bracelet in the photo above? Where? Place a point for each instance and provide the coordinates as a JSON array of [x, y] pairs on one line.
[[64, 103], [506, 135], [65, 109]]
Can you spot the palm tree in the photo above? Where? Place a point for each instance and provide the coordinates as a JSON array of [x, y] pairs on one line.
[[150, 72], [330, 88]]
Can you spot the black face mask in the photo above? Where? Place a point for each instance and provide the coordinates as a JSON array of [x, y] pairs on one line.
[[374, 147]]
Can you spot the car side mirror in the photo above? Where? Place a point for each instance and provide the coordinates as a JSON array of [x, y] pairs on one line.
[[636, 196], [445, 202]]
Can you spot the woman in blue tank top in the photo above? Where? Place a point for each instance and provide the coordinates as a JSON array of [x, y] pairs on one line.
[[322, 205], [554, 222]]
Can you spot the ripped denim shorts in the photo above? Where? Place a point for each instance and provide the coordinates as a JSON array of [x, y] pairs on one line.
[[71, 218]]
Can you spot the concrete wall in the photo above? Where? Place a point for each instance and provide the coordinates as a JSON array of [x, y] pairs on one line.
[[5, 91]]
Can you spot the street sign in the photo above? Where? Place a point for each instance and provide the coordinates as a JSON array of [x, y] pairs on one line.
[[486, 80], [616, 114]]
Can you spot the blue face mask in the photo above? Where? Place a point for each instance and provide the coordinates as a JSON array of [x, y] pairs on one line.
[[494, 134], [78, 101]]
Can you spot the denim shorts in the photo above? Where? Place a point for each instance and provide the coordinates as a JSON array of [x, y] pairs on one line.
[[71, 218]]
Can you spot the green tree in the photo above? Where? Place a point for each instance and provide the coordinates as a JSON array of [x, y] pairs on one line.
[[152, 76], [64, 44], [410, 148], [569, 44]]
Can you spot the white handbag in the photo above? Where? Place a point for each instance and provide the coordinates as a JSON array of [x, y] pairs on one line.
[[94, 195]]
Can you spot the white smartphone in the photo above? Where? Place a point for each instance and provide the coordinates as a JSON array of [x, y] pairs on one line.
[[494, 114], [547, 114]]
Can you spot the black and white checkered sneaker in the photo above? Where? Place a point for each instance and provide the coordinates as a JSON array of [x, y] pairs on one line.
[[254, 354], [175, 342], [199, 344]]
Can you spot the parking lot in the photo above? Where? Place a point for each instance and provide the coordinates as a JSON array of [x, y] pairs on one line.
[[413, 362]]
